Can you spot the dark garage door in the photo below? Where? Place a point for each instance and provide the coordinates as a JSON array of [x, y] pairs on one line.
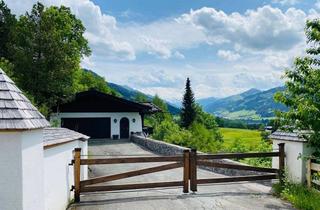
[[96, 128]]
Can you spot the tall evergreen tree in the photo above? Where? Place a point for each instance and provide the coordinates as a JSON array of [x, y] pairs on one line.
[[188, 110]]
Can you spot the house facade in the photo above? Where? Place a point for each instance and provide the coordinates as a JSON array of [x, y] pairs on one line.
[[102, 116]]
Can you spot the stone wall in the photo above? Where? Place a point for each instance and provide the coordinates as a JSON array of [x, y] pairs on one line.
[[158, 147], [164, 148]]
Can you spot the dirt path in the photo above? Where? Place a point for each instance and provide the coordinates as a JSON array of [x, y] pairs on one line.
[[236, 196]]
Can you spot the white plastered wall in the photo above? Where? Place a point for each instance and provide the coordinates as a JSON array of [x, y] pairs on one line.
[[21, 166], [115, 127], [59, 175], [295, 165]]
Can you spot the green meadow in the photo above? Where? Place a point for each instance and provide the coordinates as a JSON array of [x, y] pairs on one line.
[[248, 138]]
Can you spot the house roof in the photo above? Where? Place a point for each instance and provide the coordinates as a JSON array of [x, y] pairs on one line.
[[16, 111], [287, 136], [152, 107], [96, 101], [56, 136]]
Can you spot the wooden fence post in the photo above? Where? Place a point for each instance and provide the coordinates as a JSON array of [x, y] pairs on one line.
[[281, 162], [76, 173], [193, 170], [309, 173], [186, 168]]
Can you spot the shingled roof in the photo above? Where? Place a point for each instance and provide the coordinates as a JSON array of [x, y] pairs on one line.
[[287, 136], [56, 136], [16, 111]]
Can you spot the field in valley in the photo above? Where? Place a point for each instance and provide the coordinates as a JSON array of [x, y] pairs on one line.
[[249, 138]]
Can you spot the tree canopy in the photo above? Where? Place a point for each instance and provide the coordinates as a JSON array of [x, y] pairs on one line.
[[139, 97], [7, 23], [46, 47], [302, 94]]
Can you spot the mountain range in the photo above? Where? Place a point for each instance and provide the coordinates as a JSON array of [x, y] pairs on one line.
[[253, 104]]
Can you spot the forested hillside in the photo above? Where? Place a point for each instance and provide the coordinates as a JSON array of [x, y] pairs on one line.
[[132, 94], [250, 105]]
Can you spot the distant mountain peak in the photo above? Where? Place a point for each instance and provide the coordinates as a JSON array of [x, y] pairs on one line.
[[251, 91]]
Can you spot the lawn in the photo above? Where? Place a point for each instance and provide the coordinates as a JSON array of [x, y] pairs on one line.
[[249, 138]]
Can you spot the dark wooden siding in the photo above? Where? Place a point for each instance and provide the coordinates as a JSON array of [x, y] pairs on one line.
[[94, 101], [96, 128]]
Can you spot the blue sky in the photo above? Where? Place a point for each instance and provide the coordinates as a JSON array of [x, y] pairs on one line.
[[224, 46]]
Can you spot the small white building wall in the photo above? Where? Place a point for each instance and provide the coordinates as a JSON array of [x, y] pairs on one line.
[[59, 175], [115, 127], [32, 169], [21, 166], [11, 172], [295, 164]]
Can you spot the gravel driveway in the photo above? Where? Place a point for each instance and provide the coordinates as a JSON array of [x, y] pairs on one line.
[[235, 196]]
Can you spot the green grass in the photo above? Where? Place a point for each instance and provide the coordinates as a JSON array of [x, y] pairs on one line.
[[299, 195], [249, 138]]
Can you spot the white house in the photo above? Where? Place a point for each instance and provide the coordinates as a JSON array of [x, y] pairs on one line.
[[34, 160], [102, 116]]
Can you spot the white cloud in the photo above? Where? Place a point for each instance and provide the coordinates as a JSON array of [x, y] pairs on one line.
[[263, 81], [265, 28], [286, 2], [162, 38], [228, 55], [179, 55], [260, 29], [266, 39]]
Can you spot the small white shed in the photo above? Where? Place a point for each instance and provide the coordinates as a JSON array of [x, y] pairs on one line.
[[295, 148], [21, 149], [59, 144], [34, 159]]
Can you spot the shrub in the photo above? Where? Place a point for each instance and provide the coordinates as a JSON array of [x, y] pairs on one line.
[[205, 140], [299, 195], [198, 136]]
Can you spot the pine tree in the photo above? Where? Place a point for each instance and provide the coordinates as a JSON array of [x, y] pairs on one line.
[[188, 110]]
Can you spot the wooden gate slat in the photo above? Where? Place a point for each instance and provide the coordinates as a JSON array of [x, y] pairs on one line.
[[237, 179], [131, 186], [131, 160], [238, 167], [315, 167], [239, 155], [130, 174]]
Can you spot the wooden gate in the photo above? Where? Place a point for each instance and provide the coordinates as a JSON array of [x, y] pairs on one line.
[[189, 161], [84, 185], [208, 161]]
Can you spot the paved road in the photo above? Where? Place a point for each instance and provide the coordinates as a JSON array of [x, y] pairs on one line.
[[236, 196]]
